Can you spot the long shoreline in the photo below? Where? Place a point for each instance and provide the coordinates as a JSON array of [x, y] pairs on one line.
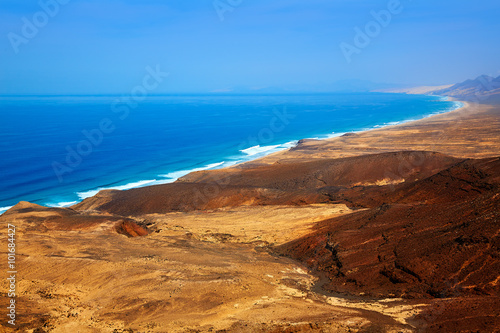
[[340, 240], [410, 122], [470, 131], [257, 160]]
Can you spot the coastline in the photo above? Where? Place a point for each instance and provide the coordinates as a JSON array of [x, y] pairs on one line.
[[376, 129], [264, 154], [301, 229], [255, 154], [454, 133]]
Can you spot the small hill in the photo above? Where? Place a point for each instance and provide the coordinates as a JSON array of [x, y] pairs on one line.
[[30, 217], [277, 184]]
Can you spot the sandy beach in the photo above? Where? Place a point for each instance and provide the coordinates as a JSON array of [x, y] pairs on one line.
[[314, 239], [468, 132]]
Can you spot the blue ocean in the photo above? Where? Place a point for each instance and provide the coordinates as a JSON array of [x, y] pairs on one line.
[[58, 150]]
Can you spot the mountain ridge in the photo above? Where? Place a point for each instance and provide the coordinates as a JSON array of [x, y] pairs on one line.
[[483, 89]]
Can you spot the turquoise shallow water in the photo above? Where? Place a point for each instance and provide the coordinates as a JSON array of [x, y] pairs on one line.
[[58, 150]]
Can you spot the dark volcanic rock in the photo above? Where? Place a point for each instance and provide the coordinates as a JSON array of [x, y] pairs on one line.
[[438, 237]]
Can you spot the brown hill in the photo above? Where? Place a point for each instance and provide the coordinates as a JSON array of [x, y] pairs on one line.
[[186, 197], [278, 184], [373, 169]]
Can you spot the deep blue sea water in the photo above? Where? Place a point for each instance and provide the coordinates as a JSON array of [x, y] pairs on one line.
[[58, 150]]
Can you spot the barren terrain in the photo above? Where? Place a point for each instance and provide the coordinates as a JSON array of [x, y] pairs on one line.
[[391, 230]]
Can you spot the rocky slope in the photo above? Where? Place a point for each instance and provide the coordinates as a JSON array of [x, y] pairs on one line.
[[430, 238], [483, 89]]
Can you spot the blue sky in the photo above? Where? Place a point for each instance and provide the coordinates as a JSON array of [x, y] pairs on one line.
[[104, 46]]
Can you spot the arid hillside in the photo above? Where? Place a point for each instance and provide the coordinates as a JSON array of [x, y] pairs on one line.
[[403, 241]]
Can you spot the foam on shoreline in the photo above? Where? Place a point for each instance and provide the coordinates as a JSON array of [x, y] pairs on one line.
[[91, 193], [173, 176], [258, 149], [4, 209], [62, 204], [456, 105], [251, 153], [167, 178]]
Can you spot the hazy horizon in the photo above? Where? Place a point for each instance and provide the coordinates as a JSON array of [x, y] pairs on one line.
[[63, 47]]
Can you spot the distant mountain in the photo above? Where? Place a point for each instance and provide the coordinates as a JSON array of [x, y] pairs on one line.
[[344, 86], [420, 90], [483, 89]]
